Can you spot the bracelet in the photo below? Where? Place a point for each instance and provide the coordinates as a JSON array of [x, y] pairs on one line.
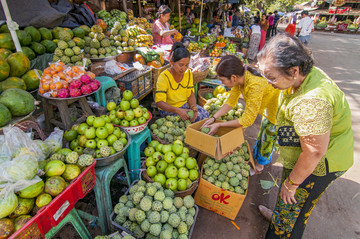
[[288, 188], [291, 182], [194, 108], [213, 117]]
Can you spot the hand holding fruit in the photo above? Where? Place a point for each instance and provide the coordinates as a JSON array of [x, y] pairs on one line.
[[195, 116], [213, 128], [183, 114], [208, 122]]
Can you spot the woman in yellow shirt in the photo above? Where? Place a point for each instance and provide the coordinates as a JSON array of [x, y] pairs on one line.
[[260, 98], [175, 88]]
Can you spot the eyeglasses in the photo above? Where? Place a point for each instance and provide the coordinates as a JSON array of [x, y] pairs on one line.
[[270, 81]]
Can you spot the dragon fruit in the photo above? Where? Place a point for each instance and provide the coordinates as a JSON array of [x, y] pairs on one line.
[[98, 83], [94, 86], [75, 92], [85, 79], [63, 93], [75, 84], [86, 89]]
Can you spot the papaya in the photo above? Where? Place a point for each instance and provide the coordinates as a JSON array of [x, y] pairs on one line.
[[33, 190], [55, 32], [49, 45], [5, 115], [219, 90], [86, 29], [45, 33], [155, 64], [6, 41], [70, 32], [28, 52], [79, 32], [79, 42], [139, 58], [12, 82], [4, 29], [6, 227], [21, 221], [19, 102], [4, 69], [38, 48], [31, 80], [25, 205], [19, 64], [34, 33], [24, 37], [4, 53]]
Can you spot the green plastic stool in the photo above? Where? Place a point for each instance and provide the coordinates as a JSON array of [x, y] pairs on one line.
[[106, 83], [103, 177], [73, 218], [133, 152]]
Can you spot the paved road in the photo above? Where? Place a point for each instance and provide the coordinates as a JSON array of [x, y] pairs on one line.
[[337, 214]]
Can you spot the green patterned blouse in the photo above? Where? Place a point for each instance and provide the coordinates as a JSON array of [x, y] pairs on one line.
[[316, 107]]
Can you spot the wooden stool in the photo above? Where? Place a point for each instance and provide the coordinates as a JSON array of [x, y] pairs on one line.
[[62, 104]]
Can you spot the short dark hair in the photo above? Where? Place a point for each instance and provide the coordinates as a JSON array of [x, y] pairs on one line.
[[305, 12], [275, 12], [231, 65], [287, 51], [178, 52]]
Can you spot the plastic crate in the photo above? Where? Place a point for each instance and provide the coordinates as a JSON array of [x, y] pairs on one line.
[[52, 214], [138, 82], [113, 215]]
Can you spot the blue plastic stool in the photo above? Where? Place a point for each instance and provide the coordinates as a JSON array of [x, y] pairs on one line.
[[73, 218], [104, 205], [133, 152], [106, 83]]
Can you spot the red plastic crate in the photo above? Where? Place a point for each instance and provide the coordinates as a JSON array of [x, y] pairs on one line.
[[52, 214]]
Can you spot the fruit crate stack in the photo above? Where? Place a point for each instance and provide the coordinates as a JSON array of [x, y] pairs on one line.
[[139, 82]]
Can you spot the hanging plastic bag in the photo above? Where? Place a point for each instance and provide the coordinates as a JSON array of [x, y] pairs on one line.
[[111, 68], [54, 141], [18, 143], [24, 167]]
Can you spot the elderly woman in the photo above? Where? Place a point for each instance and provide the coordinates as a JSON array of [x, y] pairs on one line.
[[314, 133], [161, 28]]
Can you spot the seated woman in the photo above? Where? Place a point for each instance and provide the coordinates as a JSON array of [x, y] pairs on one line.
[[175, 88]]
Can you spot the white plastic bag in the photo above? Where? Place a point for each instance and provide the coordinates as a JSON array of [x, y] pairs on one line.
[[112, 68], [54, 141], [24, 167]]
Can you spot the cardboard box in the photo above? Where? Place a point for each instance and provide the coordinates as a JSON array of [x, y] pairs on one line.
[[215, 147], [216, 199]]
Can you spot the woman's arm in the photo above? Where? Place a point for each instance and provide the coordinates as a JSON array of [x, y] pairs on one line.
[[192, 105], [166, 107], [215, 127], [314, 147], [165, 33]]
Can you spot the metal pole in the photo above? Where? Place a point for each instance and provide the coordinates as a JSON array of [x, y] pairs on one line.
[[201, 11], [13, 26]]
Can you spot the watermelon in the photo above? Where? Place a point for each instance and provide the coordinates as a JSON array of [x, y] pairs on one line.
[[38, 48], [31, 80], [45, 33], [78, 32], [12, 82], [24, 37], [28, 52], [5, 115], [4, 53], [4, 69], [34, 33], [19, 64], [6, 41], [49, 45]]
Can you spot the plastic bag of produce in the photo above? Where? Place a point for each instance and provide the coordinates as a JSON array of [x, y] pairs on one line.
[[54, 141], [23, 167], [111, 68], [18, 143]]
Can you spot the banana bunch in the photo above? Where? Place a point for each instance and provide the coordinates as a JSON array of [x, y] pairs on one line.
[[130, 14], [144, 40]]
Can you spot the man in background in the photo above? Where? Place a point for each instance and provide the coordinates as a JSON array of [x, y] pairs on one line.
[[305, 28], [276, 22]]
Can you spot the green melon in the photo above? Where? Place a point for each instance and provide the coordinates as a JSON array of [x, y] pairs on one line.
[[4, 53], [12, 82], [45, 33], [78, 32], [86, 29], [31, 80], [24, 37], [6, 41], [19, 102], [4, 29], [28, 52], [49, 45], [4, 69], [34, 33], [5, 115], [19, 64], [38, 48]]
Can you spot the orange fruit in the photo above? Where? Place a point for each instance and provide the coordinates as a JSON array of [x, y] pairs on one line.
[[47, 70], [46, 86], [41, 91], [75, 69], [90, 74], [67, 79], [52, 66], [52, 86], [59, 85], [65, 84], [61, 75], [54, 93]]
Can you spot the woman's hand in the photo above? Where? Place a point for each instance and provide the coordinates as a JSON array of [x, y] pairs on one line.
[[208, 122], [287, 192], [196, 114], [213, 128], [183, 114]]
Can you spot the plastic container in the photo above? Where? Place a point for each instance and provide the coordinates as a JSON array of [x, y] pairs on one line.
[[52, 214], [136, 129], [138, 82]]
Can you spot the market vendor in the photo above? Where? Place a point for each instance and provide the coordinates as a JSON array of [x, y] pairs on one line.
[[314, 132], [161, 28], [175, 88], [260, 98]]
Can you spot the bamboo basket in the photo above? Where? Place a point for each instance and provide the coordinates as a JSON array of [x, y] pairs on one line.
[[199, 76], [201, 93]]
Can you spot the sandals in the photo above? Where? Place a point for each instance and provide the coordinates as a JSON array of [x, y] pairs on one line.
[[265, 212]]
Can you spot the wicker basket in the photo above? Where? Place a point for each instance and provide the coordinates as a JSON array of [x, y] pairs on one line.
[[181, 194], [201, 93], [155, 74], [199, 76]]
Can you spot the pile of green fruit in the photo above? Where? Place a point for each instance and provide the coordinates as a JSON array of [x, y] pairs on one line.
[[150, 212], [98, 45], [110, 18], [97, 137], [171, 128], [116, 235], [122, 41], [170, 165], [231, 48], [214, 104], [209, 39], [128, 113], [70, 44], [230, 173]]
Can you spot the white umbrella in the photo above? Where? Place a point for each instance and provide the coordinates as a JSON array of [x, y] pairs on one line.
[[13, 26]]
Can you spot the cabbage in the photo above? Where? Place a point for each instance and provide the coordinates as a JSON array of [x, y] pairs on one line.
[[8, 203], [23, 167]]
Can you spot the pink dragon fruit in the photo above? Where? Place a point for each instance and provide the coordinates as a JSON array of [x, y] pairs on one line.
[[85, 79], [75, 84], [75, 92], [86, 89], [94, 86], [97, 82], [63, 93]]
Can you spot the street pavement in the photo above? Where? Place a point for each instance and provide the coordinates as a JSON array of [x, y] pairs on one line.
[[337, 214]]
